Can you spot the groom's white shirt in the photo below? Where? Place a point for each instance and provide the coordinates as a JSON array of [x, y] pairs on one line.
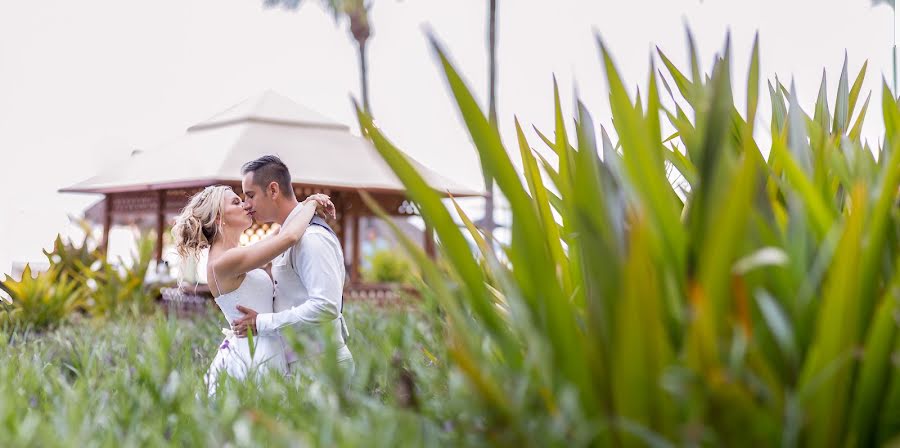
[[309, 286]]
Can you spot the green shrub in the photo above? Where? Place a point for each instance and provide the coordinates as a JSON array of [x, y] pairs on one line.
[[388, 266], [121, 289], [74, 259], [40, 301], [95, 285], [752, 305]]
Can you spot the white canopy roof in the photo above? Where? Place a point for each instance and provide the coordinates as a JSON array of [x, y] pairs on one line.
[[317, 150]]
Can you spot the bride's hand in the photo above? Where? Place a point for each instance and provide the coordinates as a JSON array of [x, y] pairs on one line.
[[324, 207]]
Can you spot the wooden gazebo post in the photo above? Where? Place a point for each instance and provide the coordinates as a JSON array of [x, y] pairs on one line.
[[355, 257], [107, 223], [160, 224]]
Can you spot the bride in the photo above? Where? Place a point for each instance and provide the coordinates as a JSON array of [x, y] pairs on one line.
[[215, 218]]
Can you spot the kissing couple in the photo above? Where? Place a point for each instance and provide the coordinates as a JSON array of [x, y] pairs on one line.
[[305, 289]]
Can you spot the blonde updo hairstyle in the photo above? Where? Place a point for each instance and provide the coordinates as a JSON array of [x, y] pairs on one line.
[[200, 221]]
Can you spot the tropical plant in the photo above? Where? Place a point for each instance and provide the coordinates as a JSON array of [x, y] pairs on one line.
[[38, 300], [74, 259], [114, 289], [754, 306]]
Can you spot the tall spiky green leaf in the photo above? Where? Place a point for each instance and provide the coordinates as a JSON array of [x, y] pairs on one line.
[[429, 202], [826, 378], [753, 84], [822, 116], [856, 131], [644, 159], [529, 250], [872, 379], [539, 193], [842, 103], [857, 87]]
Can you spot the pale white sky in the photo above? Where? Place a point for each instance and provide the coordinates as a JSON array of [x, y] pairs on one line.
[[83, 83]]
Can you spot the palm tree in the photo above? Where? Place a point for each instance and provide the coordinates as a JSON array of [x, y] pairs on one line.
[[487, 222], [357, 12]]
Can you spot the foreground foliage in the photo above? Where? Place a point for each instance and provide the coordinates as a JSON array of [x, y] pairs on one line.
[[689, 288]]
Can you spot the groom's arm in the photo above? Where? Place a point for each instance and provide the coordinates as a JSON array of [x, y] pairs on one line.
[[320, 270]]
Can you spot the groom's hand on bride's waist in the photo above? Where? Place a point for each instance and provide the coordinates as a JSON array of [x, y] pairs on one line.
[[241, 325]]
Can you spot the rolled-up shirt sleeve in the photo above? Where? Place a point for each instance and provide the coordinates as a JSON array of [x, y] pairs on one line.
[[322, 274]]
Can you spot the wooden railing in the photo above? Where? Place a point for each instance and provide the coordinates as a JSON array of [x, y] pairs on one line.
[[192, 299], [186, 299], [380, 293]]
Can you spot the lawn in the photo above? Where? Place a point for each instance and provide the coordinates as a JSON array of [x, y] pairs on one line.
[[139, 381]]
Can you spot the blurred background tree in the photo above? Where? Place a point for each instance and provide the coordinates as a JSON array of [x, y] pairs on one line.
[[357, 12]]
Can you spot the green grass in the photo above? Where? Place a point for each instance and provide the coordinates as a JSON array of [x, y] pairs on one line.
[[139, 382]]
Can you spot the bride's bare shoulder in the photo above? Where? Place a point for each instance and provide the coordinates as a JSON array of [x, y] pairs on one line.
[[215, 274]]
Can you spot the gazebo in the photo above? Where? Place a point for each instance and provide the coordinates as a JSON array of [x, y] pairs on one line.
[[150, 187]]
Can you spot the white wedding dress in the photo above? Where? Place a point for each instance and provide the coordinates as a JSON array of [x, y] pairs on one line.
[[234, 357]]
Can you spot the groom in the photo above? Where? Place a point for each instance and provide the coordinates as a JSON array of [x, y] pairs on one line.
[[309, 277]]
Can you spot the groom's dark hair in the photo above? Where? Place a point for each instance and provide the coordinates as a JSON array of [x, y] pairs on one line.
[[268, 169]]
